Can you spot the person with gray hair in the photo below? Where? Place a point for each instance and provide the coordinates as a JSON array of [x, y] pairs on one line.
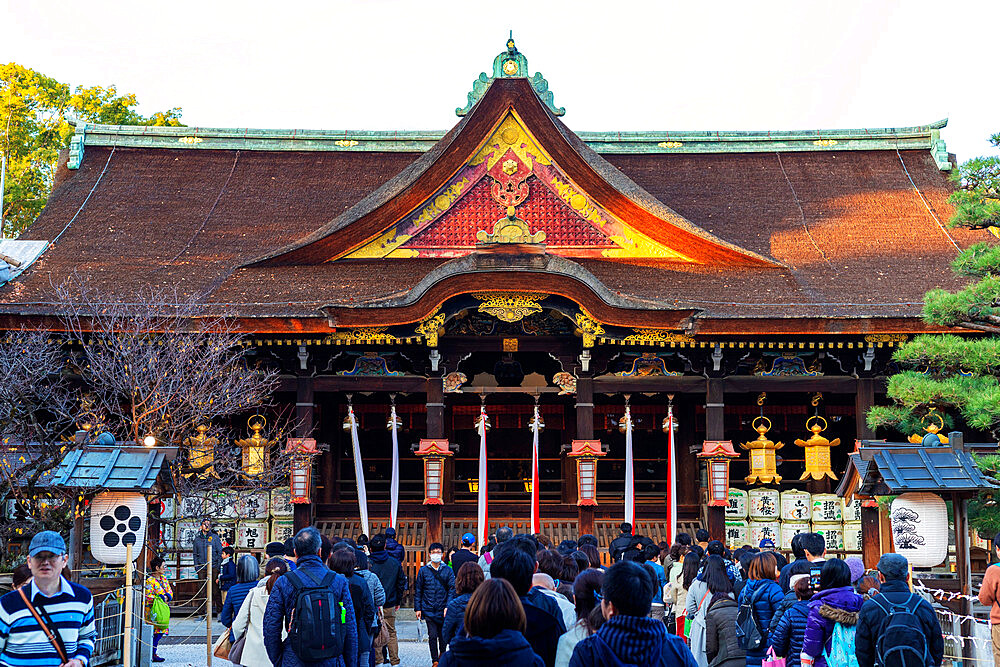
[[503, 534], [247, 574], [897, 626]]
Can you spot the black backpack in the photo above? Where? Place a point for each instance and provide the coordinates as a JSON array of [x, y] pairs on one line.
[[902, 642], [748, 630], [318, 622]]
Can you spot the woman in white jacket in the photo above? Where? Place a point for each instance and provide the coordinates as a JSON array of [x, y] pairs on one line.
[[250, 618], [586, 592]]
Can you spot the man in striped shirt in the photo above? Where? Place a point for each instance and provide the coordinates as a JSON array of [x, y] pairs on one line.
[[66, 608]]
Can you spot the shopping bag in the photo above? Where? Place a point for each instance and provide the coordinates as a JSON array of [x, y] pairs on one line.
[[220, 649], [771, 660], [159, 614]]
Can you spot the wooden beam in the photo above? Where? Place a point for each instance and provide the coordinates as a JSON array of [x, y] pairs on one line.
[[673, 384], [963, 566], [834, 384], [871, 538]]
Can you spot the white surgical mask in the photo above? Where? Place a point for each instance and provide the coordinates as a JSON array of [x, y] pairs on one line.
[[435, 558]]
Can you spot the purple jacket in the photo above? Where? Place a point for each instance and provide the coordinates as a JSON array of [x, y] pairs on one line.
[[834, 605]]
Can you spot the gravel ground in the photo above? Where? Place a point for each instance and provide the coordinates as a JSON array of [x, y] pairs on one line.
[[411, 654]]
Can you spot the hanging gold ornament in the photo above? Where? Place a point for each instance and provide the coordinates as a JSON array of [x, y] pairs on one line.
[[817, 449], [255, 447], [763, 461], [201, 451]]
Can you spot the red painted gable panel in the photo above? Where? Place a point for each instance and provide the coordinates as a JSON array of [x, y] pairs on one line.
[[542, 210]]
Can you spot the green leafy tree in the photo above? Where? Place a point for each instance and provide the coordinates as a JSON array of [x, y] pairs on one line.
[[35, 115], [959, 375]]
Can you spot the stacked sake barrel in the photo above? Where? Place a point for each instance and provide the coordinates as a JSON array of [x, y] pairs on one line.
[[767, 514]]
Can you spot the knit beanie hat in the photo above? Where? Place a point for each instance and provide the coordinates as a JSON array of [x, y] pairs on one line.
[[857, 568]]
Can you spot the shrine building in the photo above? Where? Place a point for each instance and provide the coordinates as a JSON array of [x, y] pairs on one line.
[[510, 260]]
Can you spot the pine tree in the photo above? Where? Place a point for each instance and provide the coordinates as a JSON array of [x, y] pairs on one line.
[[957, 374]]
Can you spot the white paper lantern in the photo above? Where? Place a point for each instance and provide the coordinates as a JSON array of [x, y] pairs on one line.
[[251, 535], [852, 509], [282, 530], [790, 529], [852, 536], [827, 508], [764, 530], [833, 534], [796, 505], [764, 505], [117, 518], [737, 534], [281, 502], [920, 528], [736, 507]]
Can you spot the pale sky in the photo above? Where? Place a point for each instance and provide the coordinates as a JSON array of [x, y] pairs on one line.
[[388, 64]]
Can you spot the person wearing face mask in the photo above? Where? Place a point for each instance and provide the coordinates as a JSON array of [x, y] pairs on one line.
[[435, 587]]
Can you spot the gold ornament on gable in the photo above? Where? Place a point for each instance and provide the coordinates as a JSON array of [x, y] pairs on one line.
[[509, 306]]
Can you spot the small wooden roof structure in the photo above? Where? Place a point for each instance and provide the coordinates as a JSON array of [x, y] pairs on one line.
[[886, 468], [114, 467]]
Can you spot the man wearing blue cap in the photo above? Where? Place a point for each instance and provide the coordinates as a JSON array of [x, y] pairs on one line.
[[467, 554], [28, 635]]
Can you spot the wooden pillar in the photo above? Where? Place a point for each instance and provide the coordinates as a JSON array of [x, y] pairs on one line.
[[963, 565], [435, 429], [303, 512], [76, 547], [871, 539], [686, 464], [715, 429], [584, 431], [864, 399]]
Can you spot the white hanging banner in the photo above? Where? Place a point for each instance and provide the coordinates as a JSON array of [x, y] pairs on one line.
[[671, 479], [629, 473], [536, 520], [394, 484], [483, 517], [359, 472]]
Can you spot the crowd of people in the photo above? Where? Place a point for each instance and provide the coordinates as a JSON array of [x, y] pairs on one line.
[[521, 600]]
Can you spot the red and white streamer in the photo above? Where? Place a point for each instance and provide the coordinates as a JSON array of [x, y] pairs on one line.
[[483, 516], [629, 472], [536, 519], [359, 472], [394, 483], [671, 479]]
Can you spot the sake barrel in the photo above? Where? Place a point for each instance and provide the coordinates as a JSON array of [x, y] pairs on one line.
[[736, 506], [827, 508], [764, 505], [833, 533], [252, 535], [790, 529], [737, 533], [796, 505], [920, 528], [852, 509], [852, 535], [764, 530]]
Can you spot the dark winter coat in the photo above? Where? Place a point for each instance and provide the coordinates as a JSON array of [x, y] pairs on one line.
[[201, 542], [722, 645], [395, 549], [789, 634], [454, 619], [625, 641], [390, 572], [461, 557], [786, 574], [826, 609], [547, 603], [364, 609], [619, 546], [234, 600], [542, 630], [764, 607], [227, 575], [786, 603], [434, 590], [281, 603], [508, 647], [872, 622]]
